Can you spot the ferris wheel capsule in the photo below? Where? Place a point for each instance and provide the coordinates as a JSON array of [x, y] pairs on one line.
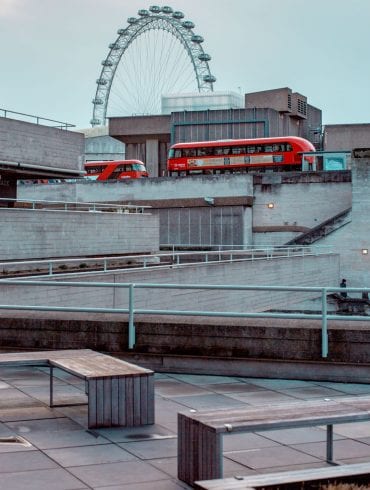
[[155, 9], [197, 39], [167, 10], [209, 78], [188, 24], [178, 15], [204, 57], [143, 13]]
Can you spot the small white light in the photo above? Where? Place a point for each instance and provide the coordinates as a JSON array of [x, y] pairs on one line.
[[270, 205], [365, 251]]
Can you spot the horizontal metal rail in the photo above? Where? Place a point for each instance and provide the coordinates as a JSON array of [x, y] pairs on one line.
[[36, 119], [76, 206], [108, 263], [131, 310]]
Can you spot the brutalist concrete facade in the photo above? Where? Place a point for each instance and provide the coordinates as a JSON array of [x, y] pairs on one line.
[[273, 113]]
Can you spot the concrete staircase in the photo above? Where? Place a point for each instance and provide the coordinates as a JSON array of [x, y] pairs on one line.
[[323, 229]]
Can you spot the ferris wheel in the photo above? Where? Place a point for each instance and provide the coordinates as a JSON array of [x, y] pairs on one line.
[[158, 53]]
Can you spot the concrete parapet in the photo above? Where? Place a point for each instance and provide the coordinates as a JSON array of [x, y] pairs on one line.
[[41, 234]]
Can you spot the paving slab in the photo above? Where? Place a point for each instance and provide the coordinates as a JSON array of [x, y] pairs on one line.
[[271, 457], [343, 449], [131, 434], [164, 485], [24, 461], [119, 473], [46, 425], [213, 400], [29, 413], [236, 387], [62, 393], [239, 442], [310, 392], [278, 384], [298, 435], [348, 388], [88, 455], [201, 379], [357, 430], [152, 449], [262, 397], [55, 479], [63, 438], [172, 388]]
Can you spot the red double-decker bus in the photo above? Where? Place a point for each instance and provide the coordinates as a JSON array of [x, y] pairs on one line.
[[239, 155], [115, 170]]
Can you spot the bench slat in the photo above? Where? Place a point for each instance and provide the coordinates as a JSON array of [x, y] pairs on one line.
[[99, 366], [200, 433], [285, 414], [285, 477]]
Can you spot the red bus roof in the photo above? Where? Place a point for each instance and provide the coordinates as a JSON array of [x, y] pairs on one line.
[[118, 162], [252, 141]]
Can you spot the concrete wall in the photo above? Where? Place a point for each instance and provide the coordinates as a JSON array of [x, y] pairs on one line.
[[40, 145], [346, 136], [355, 236], [297, 271], [301, 201], [298, 205], [31, 234], [167, 188]]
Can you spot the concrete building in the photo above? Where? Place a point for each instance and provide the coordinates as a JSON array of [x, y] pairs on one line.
[[346, 136], [196, 101], [100, 146], [277, 112], [36, 151]]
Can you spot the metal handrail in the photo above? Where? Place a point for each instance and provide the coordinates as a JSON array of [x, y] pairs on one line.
[[77, 205], [37, 119], [131, 310], [177, 258]]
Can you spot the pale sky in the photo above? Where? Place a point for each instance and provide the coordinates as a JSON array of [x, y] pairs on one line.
[[51, 51]]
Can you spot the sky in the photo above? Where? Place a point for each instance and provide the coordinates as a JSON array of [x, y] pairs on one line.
[[51, 51]]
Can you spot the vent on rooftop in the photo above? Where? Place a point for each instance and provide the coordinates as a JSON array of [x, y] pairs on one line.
[[14, 440]]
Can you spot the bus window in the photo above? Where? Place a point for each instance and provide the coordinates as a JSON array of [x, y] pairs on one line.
[[139, 167], [189, 152], [237, 150], [178, 153]]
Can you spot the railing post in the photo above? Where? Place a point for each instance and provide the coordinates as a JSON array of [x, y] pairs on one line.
[[105, 265], [50, 268], [131, 326], [324, 324]]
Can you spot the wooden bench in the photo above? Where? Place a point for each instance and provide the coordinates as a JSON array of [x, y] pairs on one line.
[[119, 393], [200, 433], [349, 473]]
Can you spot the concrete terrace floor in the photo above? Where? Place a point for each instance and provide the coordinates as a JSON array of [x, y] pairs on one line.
[[59, 452]]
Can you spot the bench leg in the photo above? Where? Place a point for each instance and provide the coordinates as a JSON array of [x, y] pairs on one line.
[[126, 401], [329, 445], [199, 451], [51, 403]]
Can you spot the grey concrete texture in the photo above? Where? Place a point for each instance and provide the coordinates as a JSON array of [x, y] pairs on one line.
[[36, 144], [59, 452], [41, 234]]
